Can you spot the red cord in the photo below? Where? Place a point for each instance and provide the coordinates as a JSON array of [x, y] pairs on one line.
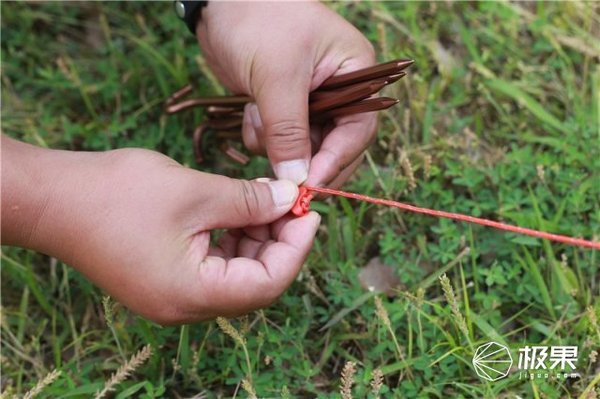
[[302, 206]]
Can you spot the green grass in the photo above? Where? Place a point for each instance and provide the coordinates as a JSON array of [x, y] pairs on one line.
[[499, 118]]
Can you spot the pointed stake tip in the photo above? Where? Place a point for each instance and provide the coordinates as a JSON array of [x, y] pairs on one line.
[[405, 63]]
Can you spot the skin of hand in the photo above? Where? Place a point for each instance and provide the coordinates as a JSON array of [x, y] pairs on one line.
[[138, 224], [278, 52]]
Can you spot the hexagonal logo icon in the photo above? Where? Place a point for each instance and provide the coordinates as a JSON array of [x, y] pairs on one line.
[[492, 361]]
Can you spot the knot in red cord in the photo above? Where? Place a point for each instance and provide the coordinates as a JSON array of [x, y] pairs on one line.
[[302, 205]]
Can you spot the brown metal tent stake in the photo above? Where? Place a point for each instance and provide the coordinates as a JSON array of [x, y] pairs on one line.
[[337, 96]]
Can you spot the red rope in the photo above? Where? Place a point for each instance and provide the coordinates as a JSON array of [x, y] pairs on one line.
[[302, 206]]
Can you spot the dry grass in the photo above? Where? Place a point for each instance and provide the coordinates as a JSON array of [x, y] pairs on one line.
[[125, 371]]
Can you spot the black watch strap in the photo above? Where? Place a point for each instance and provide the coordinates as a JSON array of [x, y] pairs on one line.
[[189, 11]]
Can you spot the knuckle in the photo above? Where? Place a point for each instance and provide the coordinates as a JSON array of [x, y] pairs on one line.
[[370, 50], [286, 134], [134, 159], [366, 50], [247, 203]]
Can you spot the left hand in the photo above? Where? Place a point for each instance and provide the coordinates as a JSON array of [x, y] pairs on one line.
[[138, 225]]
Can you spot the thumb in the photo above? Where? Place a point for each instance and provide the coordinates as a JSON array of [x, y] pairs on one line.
[[283, 112], [233, 203]]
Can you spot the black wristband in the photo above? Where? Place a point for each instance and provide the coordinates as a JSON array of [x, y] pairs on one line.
[[189, 11]]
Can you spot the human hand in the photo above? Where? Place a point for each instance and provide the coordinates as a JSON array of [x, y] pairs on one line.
[[138, 225], [278, 53]]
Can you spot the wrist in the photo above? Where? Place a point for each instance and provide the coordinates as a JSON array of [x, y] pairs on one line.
[[39, 189], [25, 191]]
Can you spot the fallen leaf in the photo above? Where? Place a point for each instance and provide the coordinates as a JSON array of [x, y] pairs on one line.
[[378, 277]]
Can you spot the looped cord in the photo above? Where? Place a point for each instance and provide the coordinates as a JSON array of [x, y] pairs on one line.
[[302, 207]]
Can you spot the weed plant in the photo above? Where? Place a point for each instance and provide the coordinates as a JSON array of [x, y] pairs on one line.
[[499, 118]]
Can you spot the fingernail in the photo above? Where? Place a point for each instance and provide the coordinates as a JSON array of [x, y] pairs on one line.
[[296, 170], [263, 179], [283, 192], [252, 110]]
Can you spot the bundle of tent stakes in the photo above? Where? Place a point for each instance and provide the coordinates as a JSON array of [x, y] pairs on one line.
[[338, 96]]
